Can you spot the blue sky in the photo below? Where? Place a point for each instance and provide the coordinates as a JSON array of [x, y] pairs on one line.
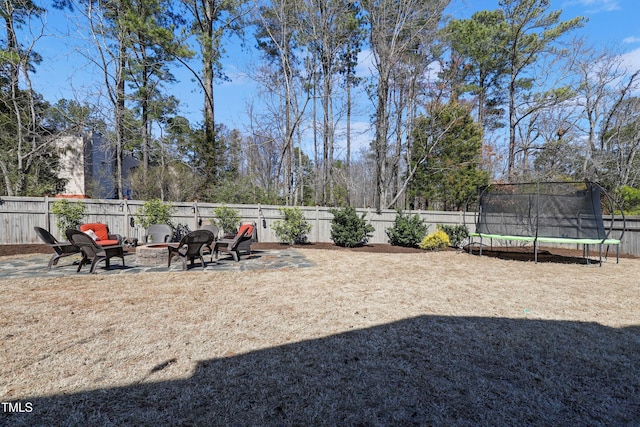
[[612, 24]]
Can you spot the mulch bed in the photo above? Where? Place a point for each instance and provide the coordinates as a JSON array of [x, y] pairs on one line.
[[375, 248]]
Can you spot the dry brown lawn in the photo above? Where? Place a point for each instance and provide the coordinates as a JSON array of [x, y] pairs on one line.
[[360, 339]]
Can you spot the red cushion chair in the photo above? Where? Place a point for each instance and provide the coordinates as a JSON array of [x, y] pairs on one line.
[[236, 243], [102, 231]]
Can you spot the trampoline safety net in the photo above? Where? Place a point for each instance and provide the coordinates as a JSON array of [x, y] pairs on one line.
[[551, 209]]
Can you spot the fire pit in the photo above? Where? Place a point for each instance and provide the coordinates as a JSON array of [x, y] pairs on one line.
[[154, 254]]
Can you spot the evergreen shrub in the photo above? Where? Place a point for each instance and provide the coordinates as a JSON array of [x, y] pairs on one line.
[[154, 211], [228, 219], [407, 230], [348, 229], [68, 214], [457, 234], [293, 228]]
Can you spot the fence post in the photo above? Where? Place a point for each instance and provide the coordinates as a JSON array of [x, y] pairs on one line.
[[196, 215], [317, 227], [47, 220], [124, 206]]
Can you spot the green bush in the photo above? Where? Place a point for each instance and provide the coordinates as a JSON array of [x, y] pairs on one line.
[[68, 214], [154, 211], [228, 219], [348, 229], [457, 234], [435, 241], [293, 228], [407, 230]]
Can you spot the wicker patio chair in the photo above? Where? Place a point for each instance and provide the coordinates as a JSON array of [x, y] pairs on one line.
[[105, 238], [159, 233], [208, 249], [191, 247], [92, 252]]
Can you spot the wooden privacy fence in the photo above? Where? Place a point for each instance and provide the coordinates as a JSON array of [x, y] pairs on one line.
[[18, 216]]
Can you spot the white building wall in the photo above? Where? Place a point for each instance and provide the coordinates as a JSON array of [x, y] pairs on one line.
[[72, 164], [87, 163]]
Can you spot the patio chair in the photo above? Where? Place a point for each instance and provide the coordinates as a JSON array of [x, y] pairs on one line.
[[159, 233], [208, 249], [241, 242], [105, 238], [92, 252], [61, 249], [190, 247], [245, 245], [212, 228]]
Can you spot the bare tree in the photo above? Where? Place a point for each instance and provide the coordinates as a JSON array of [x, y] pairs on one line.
[[396, 28], [278, 36], [327, 29]]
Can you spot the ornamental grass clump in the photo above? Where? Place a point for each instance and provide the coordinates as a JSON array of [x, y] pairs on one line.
[[407, 230], [435, 241], [293, 228], [348, 229]]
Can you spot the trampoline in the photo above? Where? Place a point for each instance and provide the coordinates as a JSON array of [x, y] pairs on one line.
[[549, 212]]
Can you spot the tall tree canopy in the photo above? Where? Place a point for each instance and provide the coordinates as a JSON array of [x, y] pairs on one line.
[[445, 104]]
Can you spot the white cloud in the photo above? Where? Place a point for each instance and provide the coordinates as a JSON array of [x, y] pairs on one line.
[[236, 76], [631, 40], [595, 6], [365, 67], [632, 59]]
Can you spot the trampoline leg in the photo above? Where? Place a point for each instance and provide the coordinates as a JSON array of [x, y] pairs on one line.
[[600, 254], [587, 254], [535, 251], [480, 246]]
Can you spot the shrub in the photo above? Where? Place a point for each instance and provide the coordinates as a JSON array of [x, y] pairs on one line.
[[407, 230], [228, 219], [457, 234], [154, 211], [293, 228], [348, 229], [68, 214], [435, 241]]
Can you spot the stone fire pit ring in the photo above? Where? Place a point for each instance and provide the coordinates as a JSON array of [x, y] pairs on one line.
[[153, 254]]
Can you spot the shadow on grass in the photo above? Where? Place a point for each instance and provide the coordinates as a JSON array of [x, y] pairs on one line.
[[557, 256], [428, 370]]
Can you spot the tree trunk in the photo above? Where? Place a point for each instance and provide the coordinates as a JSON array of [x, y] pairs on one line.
[[348, 159], [120, 116], [512, 127], [382, 124]]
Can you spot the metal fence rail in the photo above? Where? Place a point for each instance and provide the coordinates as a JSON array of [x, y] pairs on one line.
[[18, 216]]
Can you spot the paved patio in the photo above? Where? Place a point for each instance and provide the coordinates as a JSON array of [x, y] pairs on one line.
[[35, 265]]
